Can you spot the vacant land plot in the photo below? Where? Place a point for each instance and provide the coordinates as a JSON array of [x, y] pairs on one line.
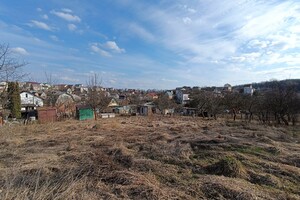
[[149, 158]]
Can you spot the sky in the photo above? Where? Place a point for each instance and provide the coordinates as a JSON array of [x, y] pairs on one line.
[[158, 44]]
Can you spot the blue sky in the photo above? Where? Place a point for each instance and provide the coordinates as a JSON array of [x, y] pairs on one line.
[[155, 44]]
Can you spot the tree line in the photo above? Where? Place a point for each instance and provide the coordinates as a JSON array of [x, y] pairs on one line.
[[279, 103]]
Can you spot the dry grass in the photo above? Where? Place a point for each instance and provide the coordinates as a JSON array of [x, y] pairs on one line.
[[149, 158]]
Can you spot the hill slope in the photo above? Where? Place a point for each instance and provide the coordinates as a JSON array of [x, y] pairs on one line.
[[149, 158]]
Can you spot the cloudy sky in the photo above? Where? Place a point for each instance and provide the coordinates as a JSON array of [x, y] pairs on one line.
[[158, 44]]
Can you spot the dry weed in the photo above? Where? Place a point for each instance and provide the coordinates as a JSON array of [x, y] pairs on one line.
[[149, 158]]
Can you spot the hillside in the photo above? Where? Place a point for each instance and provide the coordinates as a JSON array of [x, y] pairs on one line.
[[149, 158], [270, 84]]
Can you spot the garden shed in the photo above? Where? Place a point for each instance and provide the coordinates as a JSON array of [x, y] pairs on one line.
[[84, 113], [46, 115]]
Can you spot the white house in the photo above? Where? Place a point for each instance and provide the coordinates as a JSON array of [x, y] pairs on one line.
[[30, 101], [45, 86], [248, 89], [3, 86], [182, 95], [227, 87]]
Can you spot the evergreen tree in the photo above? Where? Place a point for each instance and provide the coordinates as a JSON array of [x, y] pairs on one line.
[[14, 99]]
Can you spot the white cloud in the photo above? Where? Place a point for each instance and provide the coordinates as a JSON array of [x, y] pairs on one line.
[[69, 79], [277, 58], [187, 20], [258, 44], [39, 9], [247, 57], [54, 38], [67, 10], [281, 73], [191, 10], [246, 35], [222, 30], [72, 27], [112, 45], [45, 16], [112, 81], [285, 41], [141, 32], [66, 16], [96, 49], [268, 20], [40, 25], [20, 50], [169, 80]]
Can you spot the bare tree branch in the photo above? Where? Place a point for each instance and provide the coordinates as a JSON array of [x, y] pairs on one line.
[[96, 97], [10, 70], [10, 67]]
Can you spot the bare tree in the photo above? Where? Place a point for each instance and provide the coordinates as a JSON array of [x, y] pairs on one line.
[[9, 65], [163, 102], [207, 103], [198, 101], [136, 99], [282, 101], [215, 105], [50, 79], [10, 70], [233, 102], [51, 96], [96, 97]]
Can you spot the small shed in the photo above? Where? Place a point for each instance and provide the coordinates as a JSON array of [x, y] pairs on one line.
[[126, 110], [46, 115], [84, 113], [144, 110]]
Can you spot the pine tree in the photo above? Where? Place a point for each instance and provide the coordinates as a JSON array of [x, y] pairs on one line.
[[14, 99]]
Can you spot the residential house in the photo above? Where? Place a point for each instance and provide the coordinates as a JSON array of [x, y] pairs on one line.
[[30, 101], [43, 95], [78, 88], [227, 87], [113, 103], [182, 95], [152, 96], [248, 89], [45, 86], [170, 94], [3, 86], [22, 85], [64, 88], [33, 86], [122, 96], [217, 90]]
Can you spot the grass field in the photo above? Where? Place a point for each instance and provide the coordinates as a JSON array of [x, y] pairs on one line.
[[149, 158]]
